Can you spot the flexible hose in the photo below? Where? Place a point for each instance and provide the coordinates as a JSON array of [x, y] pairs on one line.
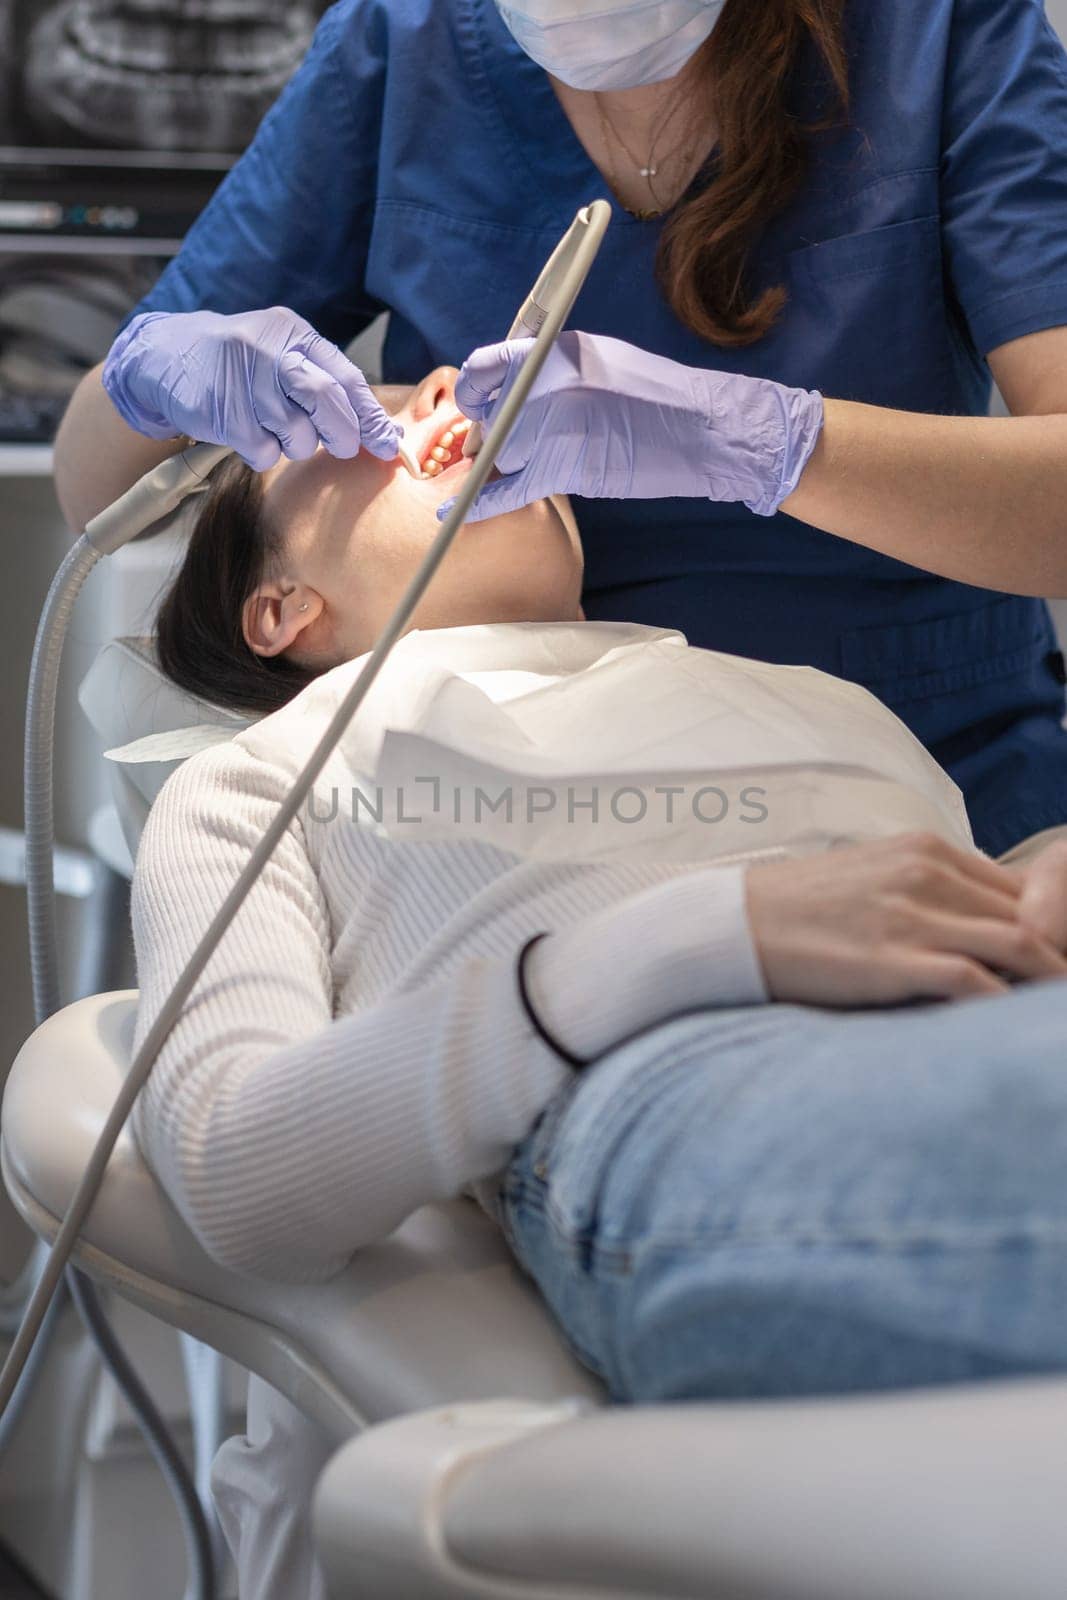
[[198, 1543], [24, 1388], [595, 217], [40, 894], [14, 1295], [44, 969], [574, 265], [39, 778]]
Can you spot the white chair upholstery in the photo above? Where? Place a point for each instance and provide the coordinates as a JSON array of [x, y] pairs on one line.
[[128, 700], [437, 1312]]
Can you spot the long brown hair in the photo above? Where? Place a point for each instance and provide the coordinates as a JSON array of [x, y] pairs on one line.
[[199, 638], [746, 71]]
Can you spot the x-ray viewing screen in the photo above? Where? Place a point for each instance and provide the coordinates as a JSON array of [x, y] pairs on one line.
[[118, 118]]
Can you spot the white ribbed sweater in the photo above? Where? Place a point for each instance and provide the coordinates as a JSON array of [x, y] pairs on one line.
[[357, 1046]]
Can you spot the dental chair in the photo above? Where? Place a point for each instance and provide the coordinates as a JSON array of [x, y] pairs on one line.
[[476, 1457]]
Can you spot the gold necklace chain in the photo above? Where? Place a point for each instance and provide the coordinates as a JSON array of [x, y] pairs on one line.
[[642, 214], [647, 169]]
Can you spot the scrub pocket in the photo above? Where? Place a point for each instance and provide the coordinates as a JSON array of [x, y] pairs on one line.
[[992, 649], [873, 304]]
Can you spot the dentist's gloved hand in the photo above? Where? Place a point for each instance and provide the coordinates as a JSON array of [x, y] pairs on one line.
[[609, 421], [263, 382]]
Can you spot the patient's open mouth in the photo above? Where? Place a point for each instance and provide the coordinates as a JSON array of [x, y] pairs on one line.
[[446, 450]]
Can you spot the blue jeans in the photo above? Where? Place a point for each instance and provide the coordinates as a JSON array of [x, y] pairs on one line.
[[778, 1200]]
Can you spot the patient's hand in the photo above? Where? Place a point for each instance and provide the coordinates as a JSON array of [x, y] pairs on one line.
[[905, 918], [1043, 897]]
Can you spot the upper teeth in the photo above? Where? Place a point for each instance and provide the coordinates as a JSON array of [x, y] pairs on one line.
[[441, 451]]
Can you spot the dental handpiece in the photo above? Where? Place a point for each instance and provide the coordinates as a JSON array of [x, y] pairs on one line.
[[549, 302], [557, 286]]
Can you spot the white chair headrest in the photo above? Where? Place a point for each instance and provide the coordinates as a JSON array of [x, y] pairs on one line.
[[147, 725]]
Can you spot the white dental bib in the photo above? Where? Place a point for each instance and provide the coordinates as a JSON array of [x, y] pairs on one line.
[[582, 740]]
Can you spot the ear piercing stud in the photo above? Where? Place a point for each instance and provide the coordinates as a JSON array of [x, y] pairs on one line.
[[303, 606]]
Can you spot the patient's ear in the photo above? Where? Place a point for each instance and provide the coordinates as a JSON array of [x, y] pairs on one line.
[[276, 614]]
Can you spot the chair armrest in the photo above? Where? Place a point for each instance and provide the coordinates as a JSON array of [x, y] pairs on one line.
[[934, 1494]]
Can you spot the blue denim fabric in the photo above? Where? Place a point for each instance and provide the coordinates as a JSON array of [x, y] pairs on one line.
[[778, 1199]]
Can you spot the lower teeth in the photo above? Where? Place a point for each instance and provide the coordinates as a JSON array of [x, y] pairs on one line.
[[433, 468]]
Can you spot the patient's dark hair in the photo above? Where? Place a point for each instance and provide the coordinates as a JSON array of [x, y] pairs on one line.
[[199, 640]]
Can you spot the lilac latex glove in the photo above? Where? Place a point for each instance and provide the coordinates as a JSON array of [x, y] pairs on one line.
[[609, 421], [263, 382]]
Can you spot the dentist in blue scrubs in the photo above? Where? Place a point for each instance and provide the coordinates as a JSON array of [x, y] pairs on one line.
[[833, 224]]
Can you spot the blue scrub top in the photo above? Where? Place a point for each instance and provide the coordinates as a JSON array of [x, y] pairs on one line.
[[420, 162]]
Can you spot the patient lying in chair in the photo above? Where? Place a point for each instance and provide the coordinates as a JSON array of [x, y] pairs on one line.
[[668, 996]]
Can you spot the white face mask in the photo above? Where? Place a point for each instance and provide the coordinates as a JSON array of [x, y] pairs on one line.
[[594, 44]]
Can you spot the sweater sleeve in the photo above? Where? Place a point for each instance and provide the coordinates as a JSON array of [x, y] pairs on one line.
[[286, 1137], [674, 947]]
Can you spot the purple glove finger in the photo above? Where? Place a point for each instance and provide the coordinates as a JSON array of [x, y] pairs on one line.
[[329, 413], [286, 419], [486, 370], [378, 433], [381, 436], [496, 499]]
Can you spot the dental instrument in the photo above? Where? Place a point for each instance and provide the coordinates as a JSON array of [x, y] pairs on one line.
[[407, 455], [554, 283], [157, 493]]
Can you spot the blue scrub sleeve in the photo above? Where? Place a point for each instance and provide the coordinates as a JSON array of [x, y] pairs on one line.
[[290, 223], [1004, 170]]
